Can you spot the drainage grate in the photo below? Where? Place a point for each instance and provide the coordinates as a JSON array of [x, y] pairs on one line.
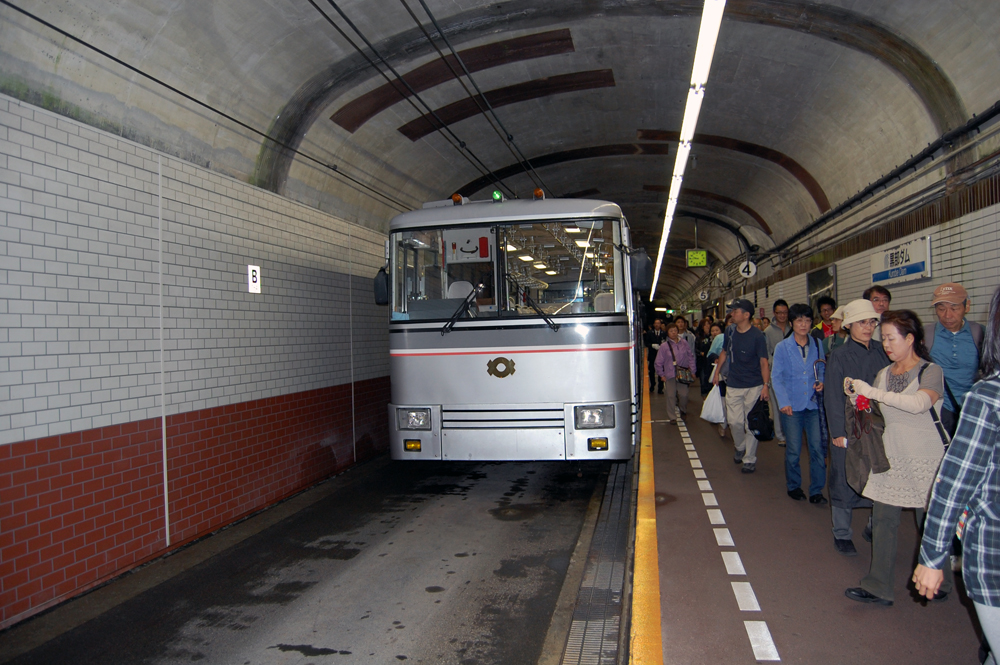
[[597, 619]]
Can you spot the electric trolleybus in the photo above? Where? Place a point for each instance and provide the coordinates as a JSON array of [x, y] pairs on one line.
[[513, 331]]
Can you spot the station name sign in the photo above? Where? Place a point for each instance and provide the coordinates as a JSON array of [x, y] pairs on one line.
[[903, 263]]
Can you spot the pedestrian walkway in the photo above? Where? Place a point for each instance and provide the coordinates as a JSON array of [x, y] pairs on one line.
[[747, 574]]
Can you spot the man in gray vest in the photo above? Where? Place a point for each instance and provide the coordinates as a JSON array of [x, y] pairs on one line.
[[955, 344], [859, 356]]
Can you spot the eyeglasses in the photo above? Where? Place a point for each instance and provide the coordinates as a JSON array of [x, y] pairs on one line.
[[868, 323], [880, 301]]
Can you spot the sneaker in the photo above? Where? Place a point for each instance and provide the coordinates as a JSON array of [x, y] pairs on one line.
[[867, 534], [797, 494], [738, 457], [781, 442], [750, 467]]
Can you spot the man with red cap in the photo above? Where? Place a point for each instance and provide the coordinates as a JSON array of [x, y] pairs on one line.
[[954, 344]]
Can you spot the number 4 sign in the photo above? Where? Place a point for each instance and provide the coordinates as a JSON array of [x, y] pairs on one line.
[[748, 269]]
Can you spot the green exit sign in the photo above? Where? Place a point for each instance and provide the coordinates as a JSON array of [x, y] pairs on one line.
[[697, 258]]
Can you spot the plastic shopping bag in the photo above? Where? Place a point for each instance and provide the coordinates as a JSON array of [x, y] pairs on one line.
[[712, 409]]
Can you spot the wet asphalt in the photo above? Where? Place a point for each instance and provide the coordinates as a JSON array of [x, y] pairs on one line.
[[419, 562]]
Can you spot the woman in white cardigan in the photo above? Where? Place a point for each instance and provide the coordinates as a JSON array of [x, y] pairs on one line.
[[906, 392]]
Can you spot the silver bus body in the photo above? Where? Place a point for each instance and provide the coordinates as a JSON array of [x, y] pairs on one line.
[[498, 387]]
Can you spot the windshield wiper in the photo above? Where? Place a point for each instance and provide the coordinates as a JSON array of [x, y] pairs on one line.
[[531, 303], [469, 299]]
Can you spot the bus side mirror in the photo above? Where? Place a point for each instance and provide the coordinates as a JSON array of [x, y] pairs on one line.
[[381, 284], [641, 267]]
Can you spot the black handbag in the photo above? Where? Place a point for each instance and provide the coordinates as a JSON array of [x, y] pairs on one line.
[[682, 374]]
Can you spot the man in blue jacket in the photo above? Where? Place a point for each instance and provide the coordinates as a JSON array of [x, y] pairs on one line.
[[797, 380]]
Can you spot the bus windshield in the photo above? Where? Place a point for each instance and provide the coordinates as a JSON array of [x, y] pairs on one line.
[[514, 270]]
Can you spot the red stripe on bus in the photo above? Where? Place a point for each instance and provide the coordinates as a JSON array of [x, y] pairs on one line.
[[491, 353]]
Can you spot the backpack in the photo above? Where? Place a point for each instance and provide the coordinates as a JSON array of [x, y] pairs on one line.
[[759, 421]]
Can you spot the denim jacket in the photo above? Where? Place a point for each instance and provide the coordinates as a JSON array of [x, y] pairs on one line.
[[792, 377]]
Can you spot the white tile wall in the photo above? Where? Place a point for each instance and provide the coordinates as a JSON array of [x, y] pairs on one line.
[[79, 295], [965, 250]]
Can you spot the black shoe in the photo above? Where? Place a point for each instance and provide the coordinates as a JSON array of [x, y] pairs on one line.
[[797, 494], [867, 534], [738, 457], [749, 467], [845, 546], [818, 499], [781, 443], [660, 391], [862, 596]]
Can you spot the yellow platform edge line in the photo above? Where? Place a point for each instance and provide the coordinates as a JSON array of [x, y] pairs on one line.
[[646, 638]]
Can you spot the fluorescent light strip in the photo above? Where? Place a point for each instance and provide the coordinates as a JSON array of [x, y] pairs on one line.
[[708, 35]]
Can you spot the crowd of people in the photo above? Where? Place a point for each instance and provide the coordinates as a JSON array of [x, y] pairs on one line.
[[893, 414]]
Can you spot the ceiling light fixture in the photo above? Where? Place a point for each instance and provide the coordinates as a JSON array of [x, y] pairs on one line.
[[574, 229], [708, 35], [526, 258], [541, 266], [551, 272], [582, 243]]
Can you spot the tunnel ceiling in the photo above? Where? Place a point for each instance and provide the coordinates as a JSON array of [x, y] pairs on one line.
[[807, 102]]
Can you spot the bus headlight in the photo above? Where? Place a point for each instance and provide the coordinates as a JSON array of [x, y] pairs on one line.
[[413, 418], [594, 417]]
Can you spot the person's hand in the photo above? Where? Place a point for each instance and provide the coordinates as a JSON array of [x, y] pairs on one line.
[[763, 393], [818, 386], [927, 580], [848, 386], [840, 441], [787, 410], [655, 347], [715, 378], [862, 388]]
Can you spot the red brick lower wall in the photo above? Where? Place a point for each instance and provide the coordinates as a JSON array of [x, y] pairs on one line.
[[80, 508]]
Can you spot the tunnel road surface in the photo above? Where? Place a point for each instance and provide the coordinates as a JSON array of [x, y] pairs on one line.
[[413, 562]]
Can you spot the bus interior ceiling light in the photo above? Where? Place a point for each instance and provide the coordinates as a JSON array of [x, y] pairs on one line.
[[526, 258], [708, 35]]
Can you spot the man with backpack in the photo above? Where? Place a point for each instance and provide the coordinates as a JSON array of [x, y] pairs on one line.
[[955, 344], [746, 351]]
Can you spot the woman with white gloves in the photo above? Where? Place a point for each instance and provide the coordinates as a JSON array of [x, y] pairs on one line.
[[905, 391]]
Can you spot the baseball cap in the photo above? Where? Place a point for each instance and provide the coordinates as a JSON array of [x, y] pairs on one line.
[[741, 303], [950, 293]]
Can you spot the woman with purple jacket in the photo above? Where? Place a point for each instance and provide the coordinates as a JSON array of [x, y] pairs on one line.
[[673, 354]]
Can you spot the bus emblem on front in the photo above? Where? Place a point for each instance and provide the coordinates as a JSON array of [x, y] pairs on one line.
[[500, 367]]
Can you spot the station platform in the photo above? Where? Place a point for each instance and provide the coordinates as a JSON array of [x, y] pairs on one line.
[[519, 563], [748, 574]]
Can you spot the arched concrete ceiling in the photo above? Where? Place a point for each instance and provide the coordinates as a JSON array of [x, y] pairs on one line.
[[807, 102]]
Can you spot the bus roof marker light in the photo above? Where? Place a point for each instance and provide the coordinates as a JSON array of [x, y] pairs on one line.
[[539, 194], [457, 199], [497, 196]]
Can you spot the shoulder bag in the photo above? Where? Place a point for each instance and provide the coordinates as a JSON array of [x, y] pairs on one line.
[[682, 374]]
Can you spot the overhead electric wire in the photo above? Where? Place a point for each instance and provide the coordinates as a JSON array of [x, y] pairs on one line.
[[476, 100], [463, 148], [332, 167], [510, 138]]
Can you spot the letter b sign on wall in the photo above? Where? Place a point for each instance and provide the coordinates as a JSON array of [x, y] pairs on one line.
[[253, 278]]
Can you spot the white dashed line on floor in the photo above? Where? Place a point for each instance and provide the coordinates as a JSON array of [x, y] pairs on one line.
[[723, 537], [745, 597], [760, 640], [734, 565]]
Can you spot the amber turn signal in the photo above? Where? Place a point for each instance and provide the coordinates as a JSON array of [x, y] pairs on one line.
[[597, 444], [411, 445]]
